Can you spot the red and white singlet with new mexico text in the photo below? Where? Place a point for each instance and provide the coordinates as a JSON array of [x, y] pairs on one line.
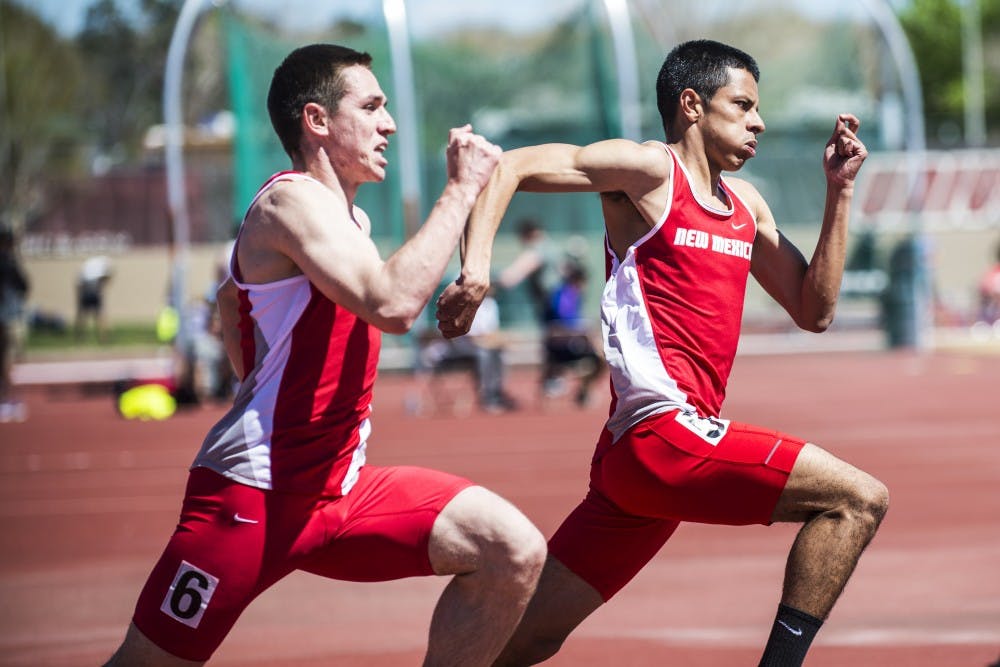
[[300, 418], [671, 309]]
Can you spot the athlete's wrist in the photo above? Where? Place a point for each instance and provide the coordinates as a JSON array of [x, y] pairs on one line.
[[475, 276], [463, 193]]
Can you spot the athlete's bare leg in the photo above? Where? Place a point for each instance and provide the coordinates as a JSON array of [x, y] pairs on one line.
[[841, 508], [561, 602], [496, 555], [138, 651]]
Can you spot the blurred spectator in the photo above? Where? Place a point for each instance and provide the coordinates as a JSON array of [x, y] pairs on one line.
[[91, 282], [568, 340], [536, 266], [989, 293], [13, 293], [480, 352], [205, 370]]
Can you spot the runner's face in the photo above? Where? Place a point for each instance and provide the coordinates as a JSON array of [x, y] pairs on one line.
[[361, 126], [732, 121]]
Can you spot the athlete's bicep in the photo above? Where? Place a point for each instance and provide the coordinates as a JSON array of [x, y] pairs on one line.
[[604, 166]]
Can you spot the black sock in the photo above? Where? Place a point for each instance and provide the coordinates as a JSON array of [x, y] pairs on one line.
[[791, 635]]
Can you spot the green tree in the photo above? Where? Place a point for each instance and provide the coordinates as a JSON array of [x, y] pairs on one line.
[[39, 76], [125, 59], [934, 29]]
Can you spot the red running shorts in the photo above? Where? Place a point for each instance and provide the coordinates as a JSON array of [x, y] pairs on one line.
[[233, 541], [669, 468]]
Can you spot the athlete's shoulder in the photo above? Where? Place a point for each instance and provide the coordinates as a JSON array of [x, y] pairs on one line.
[[652, 157], [741, 186], [746, 191], [297, 199], [646, 165]]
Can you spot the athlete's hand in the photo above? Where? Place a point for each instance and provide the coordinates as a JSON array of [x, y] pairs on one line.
[[457, 306], [471, 158], [844, 152]]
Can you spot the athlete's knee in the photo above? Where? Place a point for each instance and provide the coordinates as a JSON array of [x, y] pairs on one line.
[[498, 539], [520, 548], [871, 501], [864, 504]]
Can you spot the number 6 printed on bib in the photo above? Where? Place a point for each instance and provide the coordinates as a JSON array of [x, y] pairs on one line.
[[189, 594]]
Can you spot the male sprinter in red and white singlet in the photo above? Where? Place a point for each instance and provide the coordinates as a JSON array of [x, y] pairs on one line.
[[681, 242], [280, 483]]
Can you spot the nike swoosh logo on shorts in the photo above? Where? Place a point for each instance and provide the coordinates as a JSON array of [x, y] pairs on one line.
[[795, 631], [239, 519]]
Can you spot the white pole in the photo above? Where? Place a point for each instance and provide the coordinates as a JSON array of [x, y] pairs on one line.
[[402, 80], [972, 65], [173, 155], [916, 145], [627, 66]]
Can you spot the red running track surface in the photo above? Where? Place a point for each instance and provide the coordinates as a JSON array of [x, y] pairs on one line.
[[87, 501]]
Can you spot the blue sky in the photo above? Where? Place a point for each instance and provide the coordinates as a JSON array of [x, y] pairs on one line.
[[67, 15]]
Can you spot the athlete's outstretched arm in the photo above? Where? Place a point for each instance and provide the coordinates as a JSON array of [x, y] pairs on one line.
[[808, 291], [314, 230], [611, 165]]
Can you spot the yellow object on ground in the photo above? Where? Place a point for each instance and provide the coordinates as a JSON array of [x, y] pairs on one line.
[[146, 402]]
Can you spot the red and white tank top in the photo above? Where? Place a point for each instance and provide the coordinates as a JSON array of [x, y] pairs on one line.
[[672, 308], [300, 418]]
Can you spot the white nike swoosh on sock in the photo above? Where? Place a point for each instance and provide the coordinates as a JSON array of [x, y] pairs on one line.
[[795, 631]]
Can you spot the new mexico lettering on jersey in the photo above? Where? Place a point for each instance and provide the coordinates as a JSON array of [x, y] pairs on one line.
[[693, 238]]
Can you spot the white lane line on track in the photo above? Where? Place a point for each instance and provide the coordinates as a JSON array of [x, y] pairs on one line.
[[829, 637]]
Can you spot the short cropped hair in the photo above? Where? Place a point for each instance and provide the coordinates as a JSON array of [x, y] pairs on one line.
[[311, 73], [701, 65]]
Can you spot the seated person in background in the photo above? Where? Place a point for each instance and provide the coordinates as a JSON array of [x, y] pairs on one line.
[[480, 350], [568, 339]]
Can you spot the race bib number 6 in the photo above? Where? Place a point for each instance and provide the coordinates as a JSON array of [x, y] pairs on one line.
[[189, 594]]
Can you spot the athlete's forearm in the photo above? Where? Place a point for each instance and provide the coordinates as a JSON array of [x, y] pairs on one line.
[[483, 223], [821, 287], [414, 272]]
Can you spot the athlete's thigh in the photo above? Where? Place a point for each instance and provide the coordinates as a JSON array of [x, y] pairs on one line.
[[213, 566], [818, 481], [605, 546], [475, 523], [381, 530], [684, 467]]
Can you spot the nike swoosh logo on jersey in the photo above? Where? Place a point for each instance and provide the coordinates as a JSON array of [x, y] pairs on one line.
[[240, 519], [738, 227], [795, 631]]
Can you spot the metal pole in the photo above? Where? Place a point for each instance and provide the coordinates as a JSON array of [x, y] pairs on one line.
[[406, 119], [916, 146], [173, 155], [972, 65], [627, 66]]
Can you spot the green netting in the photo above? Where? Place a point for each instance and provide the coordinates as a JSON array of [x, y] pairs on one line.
[[558, 83]]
